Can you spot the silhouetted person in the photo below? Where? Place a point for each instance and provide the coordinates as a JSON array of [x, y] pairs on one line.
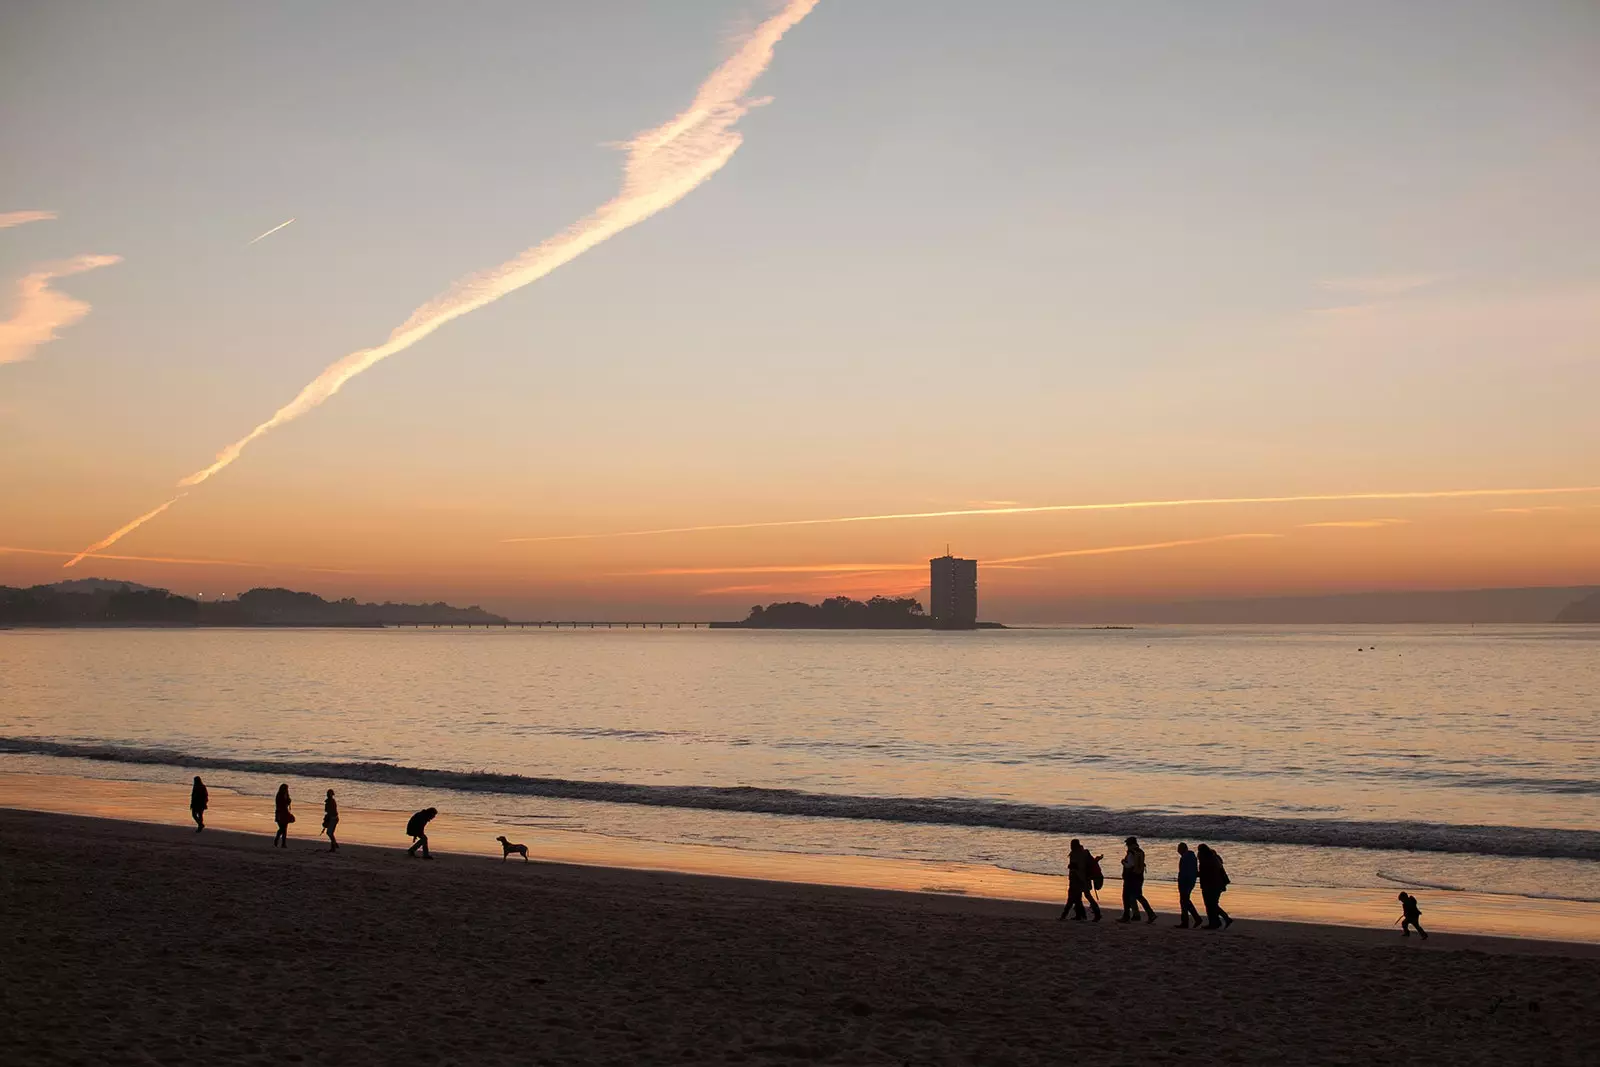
[[418, 828], [1080, 882], [330, 821], [1412, 916], [283, 816], [1133, 884], [199, 800], [1213, 880], [1188, 875]]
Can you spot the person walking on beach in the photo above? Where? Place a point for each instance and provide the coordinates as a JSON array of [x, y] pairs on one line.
[[1080, 882], [199, 800], [418, 829], [330, 821], [1213, 881], [1133, 884], [1411, 916], [282, 816], [1188, 874]]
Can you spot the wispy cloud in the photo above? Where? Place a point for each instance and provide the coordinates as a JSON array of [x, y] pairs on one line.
[[1529, 510], [1380, 285], [663, 165], [9, 219], [41, 310], [1124, 505], [1355, 524], [1372, 292]]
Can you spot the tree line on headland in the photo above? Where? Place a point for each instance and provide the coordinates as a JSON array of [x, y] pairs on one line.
[[841, 613], [102, 602]]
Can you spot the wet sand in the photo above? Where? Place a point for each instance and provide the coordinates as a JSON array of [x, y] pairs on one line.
[[132, 942], [250, 811]]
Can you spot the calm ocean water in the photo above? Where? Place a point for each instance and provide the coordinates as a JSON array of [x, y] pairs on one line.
[[1352, 756]]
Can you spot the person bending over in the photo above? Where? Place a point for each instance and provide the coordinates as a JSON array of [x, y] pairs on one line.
[[418, 829], [1411, 915]]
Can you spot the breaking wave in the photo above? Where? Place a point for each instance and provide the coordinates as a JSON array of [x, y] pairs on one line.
[[949, 811]]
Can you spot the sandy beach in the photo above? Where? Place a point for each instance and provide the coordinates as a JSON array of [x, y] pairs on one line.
[[132, 942]]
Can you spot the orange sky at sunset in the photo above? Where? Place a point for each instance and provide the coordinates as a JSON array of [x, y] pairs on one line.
[[952, 264]]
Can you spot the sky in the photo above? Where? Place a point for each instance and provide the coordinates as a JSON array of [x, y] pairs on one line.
[[964, 258]]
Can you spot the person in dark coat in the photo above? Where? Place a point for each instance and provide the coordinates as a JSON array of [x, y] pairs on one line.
[[199, 801], [1188, 875], [282, 816], [330, 821], [1133, 885], [1213, 881], [418, 829], [1080, 882]]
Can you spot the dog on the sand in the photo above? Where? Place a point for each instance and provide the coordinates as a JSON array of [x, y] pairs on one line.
[[511, 849]]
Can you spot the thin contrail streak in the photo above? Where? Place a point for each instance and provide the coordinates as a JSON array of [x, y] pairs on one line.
[[870, 568], [1126, 505], [663, 166], [269, 233], [183, 560]]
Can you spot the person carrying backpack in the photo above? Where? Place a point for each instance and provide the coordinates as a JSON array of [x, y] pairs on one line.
[[1081, 872]]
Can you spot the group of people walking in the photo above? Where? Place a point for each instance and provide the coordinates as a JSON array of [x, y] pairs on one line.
[[1202, 867], [416, 826]]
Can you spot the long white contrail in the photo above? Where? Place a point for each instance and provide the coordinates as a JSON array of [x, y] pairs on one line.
[[845, 568], [663, 166], [269, 233], [1123, 505]]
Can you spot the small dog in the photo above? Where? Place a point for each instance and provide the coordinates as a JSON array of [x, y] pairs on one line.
[[510, 849]]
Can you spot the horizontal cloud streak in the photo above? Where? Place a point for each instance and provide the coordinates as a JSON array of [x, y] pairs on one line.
[[1355, 524], [41, 310], [886, 568], [663, 166], [1126, 505]]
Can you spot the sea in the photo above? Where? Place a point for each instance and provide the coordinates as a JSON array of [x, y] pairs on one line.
[[1334, 760]]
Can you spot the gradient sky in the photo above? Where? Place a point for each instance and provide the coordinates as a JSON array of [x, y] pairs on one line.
[[1042, 253]]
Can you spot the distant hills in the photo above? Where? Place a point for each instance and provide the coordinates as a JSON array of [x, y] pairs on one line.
[[1540, 604], [102, 601], [1585, 610]]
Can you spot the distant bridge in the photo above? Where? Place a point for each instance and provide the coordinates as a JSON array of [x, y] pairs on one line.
[[597, 624]]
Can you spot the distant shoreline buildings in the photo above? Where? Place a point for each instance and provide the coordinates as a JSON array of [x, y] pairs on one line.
[[953, 593]]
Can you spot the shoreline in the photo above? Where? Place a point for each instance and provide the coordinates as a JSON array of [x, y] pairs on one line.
[[918, 899], [131, 942], [164, 805]]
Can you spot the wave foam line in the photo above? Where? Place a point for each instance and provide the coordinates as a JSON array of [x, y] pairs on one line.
[[945, 811], [663, 166], [1123, 505]]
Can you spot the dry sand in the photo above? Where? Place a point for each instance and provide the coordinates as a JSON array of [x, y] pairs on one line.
[[130, 942]]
